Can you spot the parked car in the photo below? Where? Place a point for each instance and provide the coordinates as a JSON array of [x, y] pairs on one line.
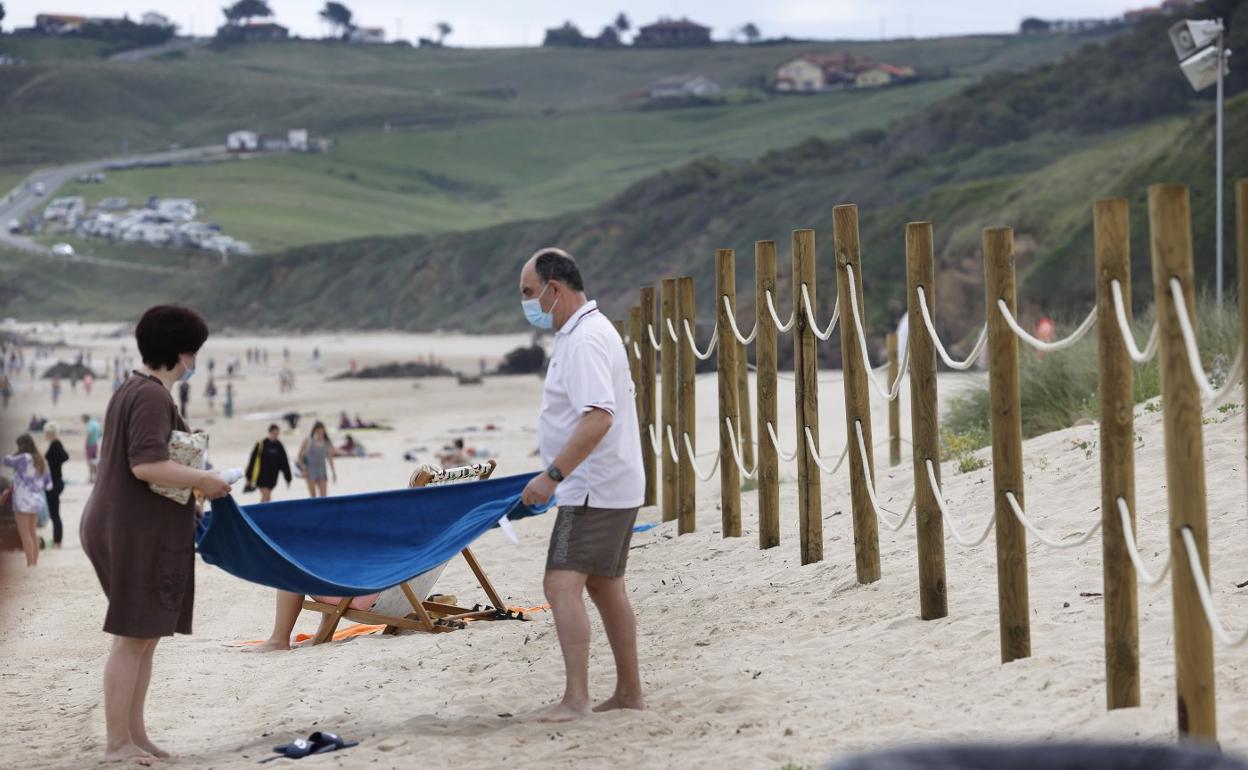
[[14, 227], [39, 188], [63, 250]]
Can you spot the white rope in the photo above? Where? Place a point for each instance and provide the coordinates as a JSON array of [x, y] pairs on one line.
[[693, 462], [814, 453], [1206, 598], [1039, 344], [810, 315], [671, 331], [1043, 538], [736, 452], [891, 392], [965, 542], [1128, 339], [1128, 535], [732, 322], [671, 445], [710, 346], [901, 522], [653, 342], [775, 442], [636, 351], [950, 362], [866, 475], [1211, 394], [775, 317], [656, 446]]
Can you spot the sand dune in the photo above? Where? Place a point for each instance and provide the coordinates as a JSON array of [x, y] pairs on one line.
[[749, 659]]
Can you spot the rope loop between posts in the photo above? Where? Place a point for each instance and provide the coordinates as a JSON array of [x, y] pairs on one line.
[[710, 346], [775, 317], [1128, 339], [636, 351], [654, 343], [810, 315], [866, 476], [693, 461], [671, 331], [893, 390], [1128, 535], [656, 445], [1039, 344], [732, 323], [1211, 394], [957, 536], [950, 362], [1206, 597], [775, 442], [736, 452], [1043, 538], [814, 453], [671, 445]]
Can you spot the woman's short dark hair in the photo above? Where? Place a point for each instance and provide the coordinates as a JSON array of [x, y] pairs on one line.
[[557, 265], [167, 331], [274, 427]]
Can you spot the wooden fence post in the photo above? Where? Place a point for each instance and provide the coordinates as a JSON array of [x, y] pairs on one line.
[[857, 396], [1170, 238], [726, 358], [1241, 229], [1112, 246], [670, 417], [687, 487], [745, 424], [925, 424], [806, 378], [1007, 445], [645, 391], [765, 384], [894, 406]]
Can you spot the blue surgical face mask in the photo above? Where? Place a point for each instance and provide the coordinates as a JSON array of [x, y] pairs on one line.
[[188, 374], [542, 319]]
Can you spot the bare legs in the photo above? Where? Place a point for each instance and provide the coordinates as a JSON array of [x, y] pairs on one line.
[[318, 488], [564, 591], [288, 608], [618, 621], [28, 532], [266, 494], [126, 677]]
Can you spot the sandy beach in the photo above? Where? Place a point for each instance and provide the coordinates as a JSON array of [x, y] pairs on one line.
[[749, 660]]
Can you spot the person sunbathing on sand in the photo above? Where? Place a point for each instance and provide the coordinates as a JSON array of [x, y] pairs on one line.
[[288, 608]]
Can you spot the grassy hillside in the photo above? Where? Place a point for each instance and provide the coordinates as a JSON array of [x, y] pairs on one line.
[[68, 106], [495, 171]]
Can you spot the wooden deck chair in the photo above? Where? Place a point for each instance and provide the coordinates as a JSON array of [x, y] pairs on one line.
[[427, 616]]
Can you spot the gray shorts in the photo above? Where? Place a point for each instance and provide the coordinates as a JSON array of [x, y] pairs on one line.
[[593, 541]]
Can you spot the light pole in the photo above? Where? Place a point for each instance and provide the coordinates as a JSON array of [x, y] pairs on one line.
[[1198, 44]]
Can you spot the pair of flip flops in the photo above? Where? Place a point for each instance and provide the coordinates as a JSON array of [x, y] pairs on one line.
[[317, 743]]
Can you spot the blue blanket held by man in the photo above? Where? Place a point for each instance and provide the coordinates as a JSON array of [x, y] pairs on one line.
[[354, 544]]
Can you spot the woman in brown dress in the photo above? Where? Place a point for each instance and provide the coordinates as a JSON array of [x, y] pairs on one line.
[[142, 544]]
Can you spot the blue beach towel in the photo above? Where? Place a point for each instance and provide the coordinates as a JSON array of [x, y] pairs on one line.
[[354, 544]]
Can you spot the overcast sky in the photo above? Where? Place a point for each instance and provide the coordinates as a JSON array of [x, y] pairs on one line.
[[506, 22]]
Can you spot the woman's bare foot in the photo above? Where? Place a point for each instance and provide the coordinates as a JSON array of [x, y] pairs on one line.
[[269, 645], [618, 701], [563, 712], [151, 748], [130, 753]]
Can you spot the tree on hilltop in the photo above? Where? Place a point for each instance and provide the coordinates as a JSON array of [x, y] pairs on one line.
[[1, 11], [750, 30], [444, 29], [338, 16], [567, 36], [622, 23], [245, 10]]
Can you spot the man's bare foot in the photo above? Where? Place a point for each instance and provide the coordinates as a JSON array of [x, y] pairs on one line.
[[563, 712], [269, 645], [618, 701], [129, 753], [151, 748]]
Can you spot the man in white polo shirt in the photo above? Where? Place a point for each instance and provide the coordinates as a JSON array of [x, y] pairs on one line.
[[587, 435]]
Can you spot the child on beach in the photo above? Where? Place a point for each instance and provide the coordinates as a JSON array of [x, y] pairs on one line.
[[315, 452], [31, 479]]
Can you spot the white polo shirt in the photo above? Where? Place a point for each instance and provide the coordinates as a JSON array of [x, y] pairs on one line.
[[589, 370]]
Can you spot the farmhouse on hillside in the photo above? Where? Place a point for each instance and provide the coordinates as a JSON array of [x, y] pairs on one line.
[[883, 75], [262, 30], [816, 72], [683, 87], [242, 141], [59, 23], [669, 33], [153, 19], [373, 35]]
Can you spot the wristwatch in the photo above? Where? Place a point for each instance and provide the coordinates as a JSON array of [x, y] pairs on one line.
[[555, 474]]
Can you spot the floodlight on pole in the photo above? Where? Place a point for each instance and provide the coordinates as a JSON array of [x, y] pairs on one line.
[[1202, 58]]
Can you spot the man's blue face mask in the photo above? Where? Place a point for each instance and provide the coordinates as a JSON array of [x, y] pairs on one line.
[[542, 319]]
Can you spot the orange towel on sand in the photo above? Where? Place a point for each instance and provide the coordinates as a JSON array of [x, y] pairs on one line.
[[363, 629]]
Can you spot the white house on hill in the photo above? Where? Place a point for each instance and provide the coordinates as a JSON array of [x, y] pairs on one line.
[[242, 141], [683, 87]]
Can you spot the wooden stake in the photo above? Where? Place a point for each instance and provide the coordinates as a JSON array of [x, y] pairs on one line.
[[687, 488], [729, 475], [1112, 245], [1241, 229], [1007, 445], [857, 396], [671, 417], [925, 424], [806, 377], [894, 406], [646, 410], [1170, 237], [745, 423], [765, 384]]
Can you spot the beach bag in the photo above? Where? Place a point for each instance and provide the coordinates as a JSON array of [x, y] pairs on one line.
[[189, 449], [44, 516]]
